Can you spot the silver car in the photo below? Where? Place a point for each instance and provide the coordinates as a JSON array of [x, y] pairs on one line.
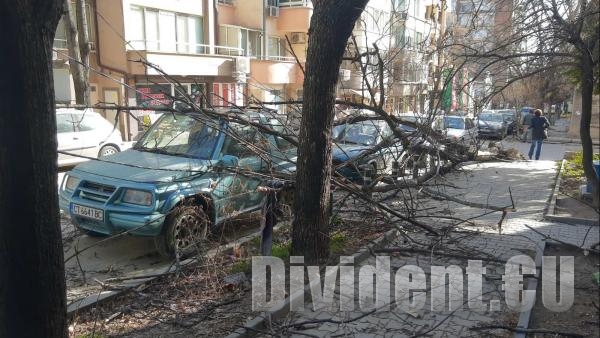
[[85, 134]]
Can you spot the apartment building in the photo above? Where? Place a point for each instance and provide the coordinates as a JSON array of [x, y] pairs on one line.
[[269, 35], [481, 24], [416, 26], [405, 32], [220, 52], [235, 52]]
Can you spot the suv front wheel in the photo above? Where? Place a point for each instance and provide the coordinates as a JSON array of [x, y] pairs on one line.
[[184, 231]]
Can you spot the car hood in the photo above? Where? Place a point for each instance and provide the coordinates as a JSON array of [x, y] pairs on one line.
[[139, 166], [456, 133], [344, 152]]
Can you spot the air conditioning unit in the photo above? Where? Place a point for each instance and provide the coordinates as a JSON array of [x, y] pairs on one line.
[[273, 11], [298, 37], [242, 64]]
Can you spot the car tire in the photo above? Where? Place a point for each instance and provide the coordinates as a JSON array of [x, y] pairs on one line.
[[107, 150], [184, 232]]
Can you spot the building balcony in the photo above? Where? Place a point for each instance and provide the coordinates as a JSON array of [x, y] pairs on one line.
[[294, 18], [276, 70], [181, 58]]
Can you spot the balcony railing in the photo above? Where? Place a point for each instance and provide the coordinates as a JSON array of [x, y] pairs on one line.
[[277, 58], [60, 43], [182, 48], [295, 3], [198, 49]]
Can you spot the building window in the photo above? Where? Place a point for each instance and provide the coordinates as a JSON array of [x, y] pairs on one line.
[[165, 31], [60, 36], [400, 5], [224, 94], [239, 41], [274, 46]]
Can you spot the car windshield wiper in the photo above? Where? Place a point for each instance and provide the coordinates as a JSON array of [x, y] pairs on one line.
[[156, 151], [165, 152]]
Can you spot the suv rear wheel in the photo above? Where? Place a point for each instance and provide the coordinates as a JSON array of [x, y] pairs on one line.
[[184, 231]]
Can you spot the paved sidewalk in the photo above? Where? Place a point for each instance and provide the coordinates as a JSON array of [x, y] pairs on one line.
[[531, 184]]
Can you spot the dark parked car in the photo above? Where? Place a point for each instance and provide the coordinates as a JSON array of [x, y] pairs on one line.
[[510, 117], [492, 125], [357, 145]]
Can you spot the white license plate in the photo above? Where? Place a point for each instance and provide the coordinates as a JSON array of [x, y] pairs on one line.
[[88, 212]]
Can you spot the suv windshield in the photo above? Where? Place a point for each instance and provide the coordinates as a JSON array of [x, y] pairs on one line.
[[491, 117], [180, 135]]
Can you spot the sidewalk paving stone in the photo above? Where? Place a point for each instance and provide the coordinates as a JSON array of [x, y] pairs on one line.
[[531, 184]]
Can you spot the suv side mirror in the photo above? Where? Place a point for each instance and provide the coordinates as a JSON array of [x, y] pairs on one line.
[[228, 161]]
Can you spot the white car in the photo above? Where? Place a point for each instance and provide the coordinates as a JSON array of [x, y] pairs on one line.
[[85, 134], [459, 130]]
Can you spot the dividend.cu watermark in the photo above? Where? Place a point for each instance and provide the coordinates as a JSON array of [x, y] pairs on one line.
[[410, 285]]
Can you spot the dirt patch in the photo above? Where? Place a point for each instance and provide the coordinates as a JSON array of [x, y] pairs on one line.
[[193, 303], [570, 204], [198, 301], [583, 317]]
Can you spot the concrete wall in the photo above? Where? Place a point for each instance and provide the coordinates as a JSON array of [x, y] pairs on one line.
[[248, 13], [110, 44]]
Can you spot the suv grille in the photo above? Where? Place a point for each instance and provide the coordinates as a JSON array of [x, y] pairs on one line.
[[96, 191]]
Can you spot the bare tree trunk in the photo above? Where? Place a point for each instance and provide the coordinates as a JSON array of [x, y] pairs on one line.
[[587, 88], [84, 47], [330, 27], [32, 280], [75, 63]]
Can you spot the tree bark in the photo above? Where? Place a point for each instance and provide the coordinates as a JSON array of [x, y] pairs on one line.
[[330, 27], [84, 47], [32, 280], [76, 65], [587, 91]]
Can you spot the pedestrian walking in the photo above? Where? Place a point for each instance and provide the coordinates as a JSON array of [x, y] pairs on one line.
[[538, 127], [526, 123]]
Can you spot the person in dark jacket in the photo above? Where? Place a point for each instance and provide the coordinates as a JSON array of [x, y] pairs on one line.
[[526, 123], [538, 127]]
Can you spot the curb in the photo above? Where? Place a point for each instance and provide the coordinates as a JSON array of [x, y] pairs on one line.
[[525, 317], [551, 205], [138, 278], [256, 324]]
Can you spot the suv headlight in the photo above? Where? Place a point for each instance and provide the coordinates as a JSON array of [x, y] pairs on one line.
[[72, 183], [138, 197]]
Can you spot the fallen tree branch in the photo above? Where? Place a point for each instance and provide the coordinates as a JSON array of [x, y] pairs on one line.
[[522, 330], [440, 195]]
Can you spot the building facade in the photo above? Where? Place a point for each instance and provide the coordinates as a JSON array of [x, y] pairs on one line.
[[481, 25], [149, 53]]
